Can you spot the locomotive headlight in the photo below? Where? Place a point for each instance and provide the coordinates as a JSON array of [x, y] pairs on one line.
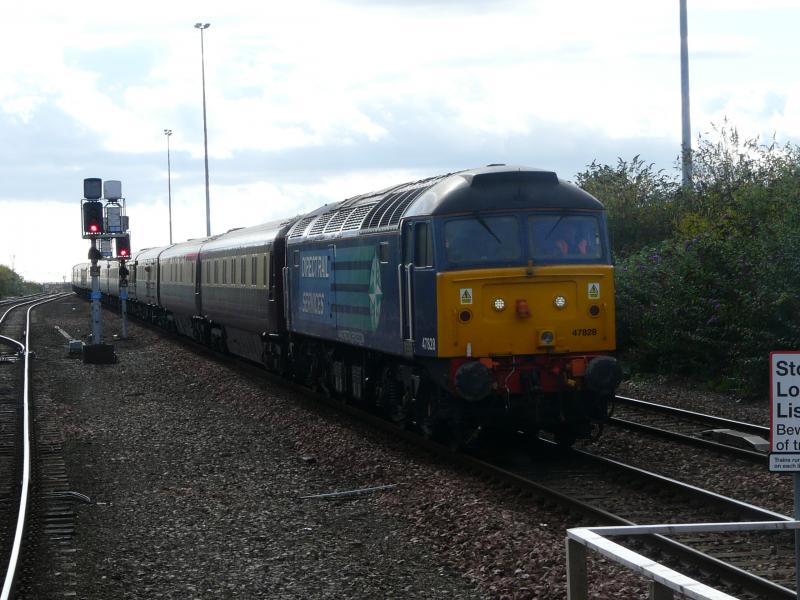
[[499, 304], [559, 302]]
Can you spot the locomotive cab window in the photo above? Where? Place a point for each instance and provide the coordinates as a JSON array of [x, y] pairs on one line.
[[482, 239], [570, 237], [423, 245]]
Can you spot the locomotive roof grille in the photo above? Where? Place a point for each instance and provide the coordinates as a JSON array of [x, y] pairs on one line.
[[356, 218], [319, 224], [299, 228], [390, 209], [475, 189], [335, 224]]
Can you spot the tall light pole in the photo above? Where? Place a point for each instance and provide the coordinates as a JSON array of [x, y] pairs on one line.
[[202, 27], [168, 132], [686, 145]]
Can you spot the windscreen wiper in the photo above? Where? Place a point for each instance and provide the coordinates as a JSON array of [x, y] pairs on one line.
[[553, 228], [485, 225]]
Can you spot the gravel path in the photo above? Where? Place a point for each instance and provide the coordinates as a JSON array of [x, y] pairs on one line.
[[196, 469]]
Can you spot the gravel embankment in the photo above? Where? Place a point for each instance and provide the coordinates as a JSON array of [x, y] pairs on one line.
[[196, 469], [738, 478]]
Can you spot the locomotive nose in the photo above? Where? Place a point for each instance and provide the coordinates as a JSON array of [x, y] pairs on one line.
[[473, 381]]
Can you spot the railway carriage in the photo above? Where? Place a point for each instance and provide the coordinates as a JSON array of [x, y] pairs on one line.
[[469, 302], [144, 280], [178, 285], [241, 304]]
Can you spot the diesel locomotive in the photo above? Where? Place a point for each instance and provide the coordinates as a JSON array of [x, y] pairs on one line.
[[476, 301]]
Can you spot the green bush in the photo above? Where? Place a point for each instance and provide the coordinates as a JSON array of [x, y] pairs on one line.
[[721, 288], [11, 284], [640, 202]]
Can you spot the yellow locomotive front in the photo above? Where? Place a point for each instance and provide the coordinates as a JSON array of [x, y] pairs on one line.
[[525, 317]]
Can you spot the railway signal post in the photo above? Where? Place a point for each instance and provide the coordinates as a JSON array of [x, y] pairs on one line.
[[123, 297], [784, 434], [123, 253], [104, 223]]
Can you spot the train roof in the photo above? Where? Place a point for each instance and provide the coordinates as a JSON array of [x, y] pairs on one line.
[[246, 237], [148, 253], [489, 188]]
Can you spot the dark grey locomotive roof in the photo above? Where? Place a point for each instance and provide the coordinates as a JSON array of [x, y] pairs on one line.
[[489, 188]]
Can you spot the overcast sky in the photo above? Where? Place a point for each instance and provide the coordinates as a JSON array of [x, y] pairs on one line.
[[314, 101]]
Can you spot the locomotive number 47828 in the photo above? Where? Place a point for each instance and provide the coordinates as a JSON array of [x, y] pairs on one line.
[[584, 332]]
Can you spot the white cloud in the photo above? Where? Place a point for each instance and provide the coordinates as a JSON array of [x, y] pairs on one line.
[[336, 84]]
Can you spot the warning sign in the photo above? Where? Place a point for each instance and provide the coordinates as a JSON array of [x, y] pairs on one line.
[[466, 295], [785, 414], [594, 291]]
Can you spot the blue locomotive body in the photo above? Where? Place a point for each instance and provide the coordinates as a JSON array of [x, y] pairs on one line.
[[437, 302]]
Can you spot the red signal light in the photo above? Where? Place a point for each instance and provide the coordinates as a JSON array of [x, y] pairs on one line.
[[92, 218], [123, 246]]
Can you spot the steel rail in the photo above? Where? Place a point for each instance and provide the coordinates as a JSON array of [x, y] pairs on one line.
[[13, 342], [728, 572], [752, 455], [16, 549], [766, 589], [738, 425]]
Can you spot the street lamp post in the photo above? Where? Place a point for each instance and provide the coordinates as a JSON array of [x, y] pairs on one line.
[[168, 132], [686, 145], [202, 27]]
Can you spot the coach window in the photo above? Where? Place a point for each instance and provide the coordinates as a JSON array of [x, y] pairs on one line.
[[423, 245], [267, 284], [242, 270]]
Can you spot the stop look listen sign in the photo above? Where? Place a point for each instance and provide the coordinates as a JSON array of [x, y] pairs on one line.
[[784, 438]]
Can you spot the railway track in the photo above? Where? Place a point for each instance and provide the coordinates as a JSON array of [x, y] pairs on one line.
[[608, 492], [744, 440], [605, 492], [16, 439]]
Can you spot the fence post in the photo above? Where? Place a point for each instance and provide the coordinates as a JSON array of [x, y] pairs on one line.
[[660, 592], [577, 584]]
